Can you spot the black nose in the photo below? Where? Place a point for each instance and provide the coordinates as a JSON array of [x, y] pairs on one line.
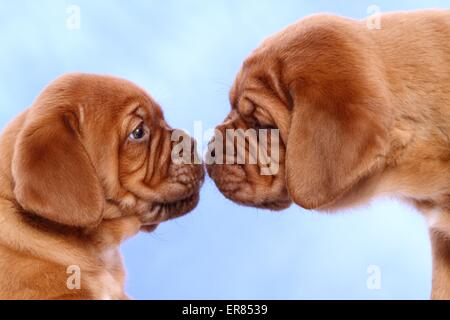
[[212, 148]]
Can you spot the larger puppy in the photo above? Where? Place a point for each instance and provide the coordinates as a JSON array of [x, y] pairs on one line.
[[362, 112], [87, 166]]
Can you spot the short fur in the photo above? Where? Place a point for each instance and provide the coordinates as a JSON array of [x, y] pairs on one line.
[[73, 187], [362, 113]]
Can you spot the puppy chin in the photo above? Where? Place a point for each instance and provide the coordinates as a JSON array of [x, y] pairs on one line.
[[271, 205], [277, 205], [232, 182], [150, 228], [162, 212]]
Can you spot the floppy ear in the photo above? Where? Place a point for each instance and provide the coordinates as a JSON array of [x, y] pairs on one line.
[[54, 177], [338, 135]]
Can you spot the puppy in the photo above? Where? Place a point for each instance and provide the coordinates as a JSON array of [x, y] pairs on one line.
[[86, 167], [361, 112]]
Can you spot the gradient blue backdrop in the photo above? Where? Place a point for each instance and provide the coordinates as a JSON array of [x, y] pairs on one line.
[[186, 53]]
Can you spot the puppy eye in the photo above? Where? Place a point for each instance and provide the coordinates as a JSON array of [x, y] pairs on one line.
[[138, 134]]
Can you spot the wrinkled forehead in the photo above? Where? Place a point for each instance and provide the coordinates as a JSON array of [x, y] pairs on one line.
[[116, 97], [250, 79], [242, 82], [102, 99]]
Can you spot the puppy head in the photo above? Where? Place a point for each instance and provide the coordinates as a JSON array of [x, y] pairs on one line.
[[320, 86], [94, 148]]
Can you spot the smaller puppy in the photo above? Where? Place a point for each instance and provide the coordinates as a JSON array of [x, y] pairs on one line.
[[87, 166], [361, 112]]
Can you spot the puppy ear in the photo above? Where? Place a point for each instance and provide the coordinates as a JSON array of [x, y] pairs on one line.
[[54, 177], [338, 135]]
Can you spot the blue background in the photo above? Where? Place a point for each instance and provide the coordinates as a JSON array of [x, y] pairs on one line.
[[186, 54]]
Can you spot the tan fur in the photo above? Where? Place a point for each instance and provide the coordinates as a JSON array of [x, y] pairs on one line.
[[73, 187], [362, 113]]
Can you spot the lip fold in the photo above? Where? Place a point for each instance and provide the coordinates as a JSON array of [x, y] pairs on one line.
[[162, 212]]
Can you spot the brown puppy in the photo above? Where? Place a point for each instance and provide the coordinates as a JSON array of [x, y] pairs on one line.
[[361, 112], [87, 166]]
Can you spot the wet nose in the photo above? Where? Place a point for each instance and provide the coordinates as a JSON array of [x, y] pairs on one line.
[[211, 147]]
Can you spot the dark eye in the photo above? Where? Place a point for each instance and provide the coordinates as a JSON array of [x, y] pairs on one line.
[[138, 133]]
